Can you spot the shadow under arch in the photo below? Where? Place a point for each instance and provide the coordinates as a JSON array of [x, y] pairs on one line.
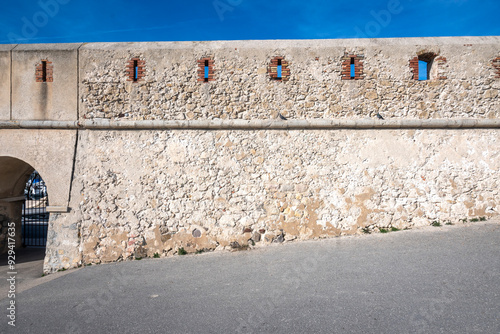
[[14, 174]]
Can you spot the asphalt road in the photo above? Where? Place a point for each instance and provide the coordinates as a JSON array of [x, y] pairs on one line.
[[432, 280]]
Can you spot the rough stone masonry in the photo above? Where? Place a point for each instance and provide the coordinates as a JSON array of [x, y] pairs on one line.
[[180, 145]]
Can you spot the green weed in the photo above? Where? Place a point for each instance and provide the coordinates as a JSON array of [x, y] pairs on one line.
[[181, 251]]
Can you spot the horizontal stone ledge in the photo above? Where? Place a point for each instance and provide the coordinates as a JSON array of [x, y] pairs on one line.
[[58, 209], [13, 199], [105, 124]]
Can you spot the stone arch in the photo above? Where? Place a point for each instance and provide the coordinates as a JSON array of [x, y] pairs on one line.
[[42, 150], [52, 154], [14, 173]]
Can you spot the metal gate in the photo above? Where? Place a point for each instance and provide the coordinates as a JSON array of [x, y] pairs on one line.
[[35, 218]]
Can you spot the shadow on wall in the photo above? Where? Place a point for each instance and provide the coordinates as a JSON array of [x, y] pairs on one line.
[[14, 174]]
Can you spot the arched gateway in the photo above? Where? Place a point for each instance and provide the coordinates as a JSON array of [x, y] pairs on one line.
[[16, 213]]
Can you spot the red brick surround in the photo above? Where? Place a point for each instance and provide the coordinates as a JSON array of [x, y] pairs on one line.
[[44, 71], [272, 69], [358, 67], [130, 69], [201, 69]]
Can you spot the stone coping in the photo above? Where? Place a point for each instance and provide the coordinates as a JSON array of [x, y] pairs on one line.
[[105, 124], [301, 43], [59, 209]]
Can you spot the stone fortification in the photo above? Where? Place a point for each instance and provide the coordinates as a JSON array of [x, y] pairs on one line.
[[142, 193], [463, 80], [217, 168]]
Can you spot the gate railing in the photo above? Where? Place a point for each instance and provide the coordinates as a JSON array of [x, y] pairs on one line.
[[35, 218]]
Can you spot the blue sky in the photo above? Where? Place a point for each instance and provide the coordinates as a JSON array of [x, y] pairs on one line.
[[60, 21]]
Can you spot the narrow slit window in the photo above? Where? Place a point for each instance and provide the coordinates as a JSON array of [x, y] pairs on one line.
[[206, 71], [422, 70], [44, 71], [353, 68], [279, 69], [136, 70]]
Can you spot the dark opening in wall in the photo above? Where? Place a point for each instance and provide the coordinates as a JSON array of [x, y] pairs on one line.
[[44, 71], [352, 67], [35, 218], [136, 69], [206, 71]]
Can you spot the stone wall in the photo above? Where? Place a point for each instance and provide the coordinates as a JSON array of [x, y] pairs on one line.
[[148, 192], [119, 194], [243, 89]]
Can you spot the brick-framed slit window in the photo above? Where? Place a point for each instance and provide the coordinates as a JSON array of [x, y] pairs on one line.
[[279, 69], [428, 66], [135, 69], [206, 69], [44, 71], [496, 65], [352, 67]]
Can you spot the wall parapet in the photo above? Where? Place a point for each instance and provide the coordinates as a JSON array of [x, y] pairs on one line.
[[104, 124], [89, 81]]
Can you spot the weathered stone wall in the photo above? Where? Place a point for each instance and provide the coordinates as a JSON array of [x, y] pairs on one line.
[[148, 192], [243, 89], [5, 62], [135, 193]]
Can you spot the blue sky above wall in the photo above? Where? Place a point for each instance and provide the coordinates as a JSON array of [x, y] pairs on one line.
[[59, 21]]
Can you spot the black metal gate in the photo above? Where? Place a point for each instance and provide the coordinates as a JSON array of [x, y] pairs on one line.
[[35, 218]]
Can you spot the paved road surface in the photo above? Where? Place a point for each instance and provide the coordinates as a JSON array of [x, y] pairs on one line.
[[432, 280]]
